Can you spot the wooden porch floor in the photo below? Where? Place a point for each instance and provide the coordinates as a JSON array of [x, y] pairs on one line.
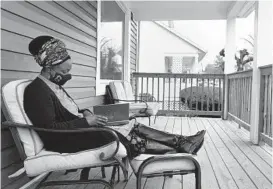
[[228, 159]]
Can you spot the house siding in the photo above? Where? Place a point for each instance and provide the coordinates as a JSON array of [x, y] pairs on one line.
[[133, 44], [133, 49], [75, 23]]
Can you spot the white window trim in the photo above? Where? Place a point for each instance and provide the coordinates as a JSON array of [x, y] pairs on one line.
[[101, 83], [181, 54]]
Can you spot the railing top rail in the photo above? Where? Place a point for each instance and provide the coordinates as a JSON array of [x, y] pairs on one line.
[[266, 70], [266, 66], [241, 74], [174, 75]]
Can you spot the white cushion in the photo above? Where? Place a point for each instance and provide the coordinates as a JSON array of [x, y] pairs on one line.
[[117, 90], [153, 107], [164, 165], [128, 90], [47, 161], [13, 95]]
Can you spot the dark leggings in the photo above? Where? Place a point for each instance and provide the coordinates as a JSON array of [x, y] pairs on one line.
[[156, 142]]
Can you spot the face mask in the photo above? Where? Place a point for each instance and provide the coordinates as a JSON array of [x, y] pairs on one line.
[[60, 79]]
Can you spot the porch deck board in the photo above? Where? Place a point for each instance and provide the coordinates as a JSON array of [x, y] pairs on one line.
[[228, 160]]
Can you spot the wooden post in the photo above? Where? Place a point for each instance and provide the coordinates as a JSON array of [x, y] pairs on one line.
[[263, 37], [230, 50]]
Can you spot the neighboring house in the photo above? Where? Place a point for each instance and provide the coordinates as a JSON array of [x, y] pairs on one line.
[[163, 50]]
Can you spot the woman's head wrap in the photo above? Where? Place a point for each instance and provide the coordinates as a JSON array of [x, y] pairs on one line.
[[48, 51]]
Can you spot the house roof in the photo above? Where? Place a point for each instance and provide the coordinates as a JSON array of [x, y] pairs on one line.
[[202, 51]]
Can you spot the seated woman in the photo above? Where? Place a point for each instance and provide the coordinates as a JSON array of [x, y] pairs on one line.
[[48, 105]]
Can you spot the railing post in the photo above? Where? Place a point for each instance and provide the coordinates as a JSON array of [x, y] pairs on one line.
[[225, 87]]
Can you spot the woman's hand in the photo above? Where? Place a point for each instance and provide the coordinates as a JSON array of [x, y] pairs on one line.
[[87, 113], [96, 120]]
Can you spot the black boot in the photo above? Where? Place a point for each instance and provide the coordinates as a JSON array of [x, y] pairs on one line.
[[183, 144], [190, 144], [161, 137]]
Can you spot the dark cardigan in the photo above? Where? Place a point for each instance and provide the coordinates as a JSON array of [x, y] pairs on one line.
[[45, 110]]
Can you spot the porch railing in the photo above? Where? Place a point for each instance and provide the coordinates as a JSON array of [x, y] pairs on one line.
[[266, 104], [181, 94], [239, 97], [239, 100]]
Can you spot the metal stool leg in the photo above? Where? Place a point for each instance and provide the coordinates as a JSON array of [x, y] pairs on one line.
[[138, 181], [198, 179]]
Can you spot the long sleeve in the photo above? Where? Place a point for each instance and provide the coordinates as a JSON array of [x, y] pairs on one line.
[[79, 110], [83, 110], [42, 109]]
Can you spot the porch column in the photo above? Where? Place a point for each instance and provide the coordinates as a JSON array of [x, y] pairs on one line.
[[263, 37], [230, 50]]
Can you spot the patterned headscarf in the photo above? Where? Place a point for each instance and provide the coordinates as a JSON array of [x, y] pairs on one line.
[[52, 52]]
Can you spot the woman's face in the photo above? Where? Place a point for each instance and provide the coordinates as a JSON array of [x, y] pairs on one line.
[[59, 74], [63, 68]]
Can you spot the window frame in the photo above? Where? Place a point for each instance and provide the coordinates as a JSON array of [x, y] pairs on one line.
[[101, 83]]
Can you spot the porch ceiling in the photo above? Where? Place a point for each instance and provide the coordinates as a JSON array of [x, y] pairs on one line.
[[180, 10]]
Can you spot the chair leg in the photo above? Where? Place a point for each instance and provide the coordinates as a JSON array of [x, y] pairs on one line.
[[103, 172], [85, 174], [118, 173], [149, 120], [155, 119], [112, 181], [124, 165], [125, 161]]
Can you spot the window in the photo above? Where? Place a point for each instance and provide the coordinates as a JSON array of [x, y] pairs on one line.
[[178, 64], [111, 41]]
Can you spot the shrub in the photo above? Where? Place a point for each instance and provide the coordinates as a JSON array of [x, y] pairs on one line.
[[198, 95]]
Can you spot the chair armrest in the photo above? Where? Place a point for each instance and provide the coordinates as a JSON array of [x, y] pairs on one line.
[[153, 98], [133, 101], [76, 130]]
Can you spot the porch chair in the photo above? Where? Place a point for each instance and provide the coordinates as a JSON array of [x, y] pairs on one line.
[[38, 161], [121, 91]]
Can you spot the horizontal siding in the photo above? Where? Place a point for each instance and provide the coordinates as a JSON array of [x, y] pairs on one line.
[[133, 44], [74, 22]]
